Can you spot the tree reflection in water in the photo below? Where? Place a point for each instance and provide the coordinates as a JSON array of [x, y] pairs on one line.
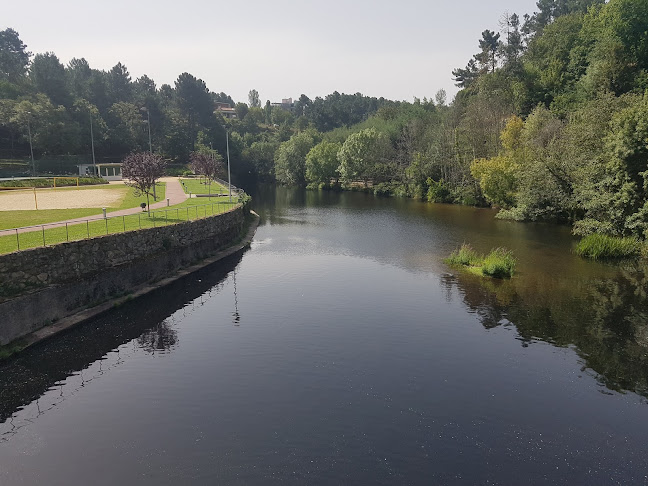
[[606, 320], [160, 338]]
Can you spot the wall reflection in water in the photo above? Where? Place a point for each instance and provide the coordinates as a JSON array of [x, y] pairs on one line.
[[91, 350]]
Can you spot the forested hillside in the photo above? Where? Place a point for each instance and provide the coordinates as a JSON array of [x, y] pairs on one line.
[[550, 123]]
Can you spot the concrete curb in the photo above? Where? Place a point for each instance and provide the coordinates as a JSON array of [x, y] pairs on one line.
[[80, 317]]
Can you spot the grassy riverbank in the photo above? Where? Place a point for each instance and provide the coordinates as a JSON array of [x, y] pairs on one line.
[[604, 247]]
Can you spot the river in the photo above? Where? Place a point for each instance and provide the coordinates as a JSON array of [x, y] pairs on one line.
[[339, 349]]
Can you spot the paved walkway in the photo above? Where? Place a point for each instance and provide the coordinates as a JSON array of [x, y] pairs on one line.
[[174, 193]]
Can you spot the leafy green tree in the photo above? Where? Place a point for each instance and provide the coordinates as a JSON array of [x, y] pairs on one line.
[[78, 75], [322, 162], [490, 46], [14, 57], [128, 129], [261, 155], [241, 110], [290, 159], [360, 153], [622, 208], [119, 84], [85, 113], [53, 131], [48, 76], [194, 104], [464, 77], [497, 176]]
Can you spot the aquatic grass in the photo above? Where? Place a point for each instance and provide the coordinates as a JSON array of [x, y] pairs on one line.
[[499, 263], [604, 247], [464, 256]]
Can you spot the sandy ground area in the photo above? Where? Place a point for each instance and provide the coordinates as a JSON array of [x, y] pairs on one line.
[[60, 199]]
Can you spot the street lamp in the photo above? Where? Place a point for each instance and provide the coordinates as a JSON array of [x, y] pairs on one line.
[[229, 179], [148, 122], [31, 148], [94, 162]]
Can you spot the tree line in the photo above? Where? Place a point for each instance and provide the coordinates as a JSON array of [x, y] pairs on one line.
[[549, 123]]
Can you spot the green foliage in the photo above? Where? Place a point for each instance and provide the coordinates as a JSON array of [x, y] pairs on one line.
[[499, 263], [290, 159], [361, 152], [438, 192], [83, 181], [465, 256], [322, 162], [602, 247]]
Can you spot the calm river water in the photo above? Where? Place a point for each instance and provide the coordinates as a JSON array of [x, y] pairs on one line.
[[339, 349]]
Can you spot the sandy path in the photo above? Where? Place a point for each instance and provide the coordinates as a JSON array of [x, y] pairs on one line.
[[60, 198], [174, 192]]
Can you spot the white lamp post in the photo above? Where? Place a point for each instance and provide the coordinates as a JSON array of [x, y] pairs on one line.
[[31, 148], [94, 161], [229, 179]]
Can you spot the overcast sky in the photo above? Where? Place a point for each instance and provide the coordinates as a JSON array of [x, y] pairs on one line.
[[398, 49]]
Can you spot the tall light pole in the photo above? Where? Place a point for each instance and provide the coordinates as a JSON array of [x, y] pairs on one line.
[[94, 162], [148, 122], [31, 148], [229, 179]]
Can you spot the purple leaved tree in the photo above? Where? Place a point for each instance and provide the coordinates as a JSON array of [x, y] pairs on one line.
[[142, 170]]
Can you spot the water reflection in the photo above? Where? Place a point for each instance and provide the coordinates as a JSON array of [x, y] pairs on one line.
[[161, 338], [605, 319], [89, 351]]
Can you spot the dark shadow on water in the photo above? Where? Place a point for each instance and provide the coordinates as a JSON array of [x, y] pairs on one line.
[[26, 377]]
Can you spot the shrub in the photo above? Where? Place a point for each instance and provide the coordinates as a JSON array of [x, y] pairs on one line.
[[438, 192], [600, 247], [383, 189], [38, 183], [499, 263]]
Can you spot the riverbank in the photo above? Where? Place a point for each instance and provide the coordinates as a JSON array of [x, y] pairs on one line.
[[42, 313]]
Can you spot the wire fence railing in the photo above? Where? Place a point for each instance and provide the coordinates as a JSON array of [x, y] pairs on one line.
[[26, 237]]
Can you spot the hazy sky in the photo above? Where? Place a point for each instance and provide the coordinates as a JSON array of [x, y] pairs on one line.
[[397, 49]]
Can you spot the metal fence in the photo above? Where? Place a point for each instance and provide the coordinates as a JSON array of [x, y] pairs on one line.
[[23, 238]]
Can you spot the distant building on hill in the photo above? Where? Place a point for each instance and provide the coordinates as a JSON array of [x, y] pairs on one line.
[[224, 109], [286, 104]]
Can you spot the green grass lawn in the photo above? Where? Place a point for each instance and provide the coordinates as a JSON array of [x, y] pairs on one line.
[[18, 219], [198, 186], [190, 209]]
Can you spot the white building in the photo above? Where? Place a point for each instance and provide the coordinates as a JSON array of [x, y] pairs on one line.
[[110, 172]]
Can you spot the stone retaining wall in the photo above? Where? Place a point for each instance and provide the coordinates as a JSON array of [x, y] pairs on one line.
[[41, 285]]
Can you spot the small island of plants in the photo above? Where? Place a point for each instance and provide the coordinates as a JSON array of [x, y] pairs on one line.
[[499, 263]]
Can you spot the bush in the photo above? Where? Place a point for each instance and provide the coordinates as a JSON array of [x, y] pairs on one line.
[[438, 192], [464, 256], [499, 263], [604, 247], [383, 189]]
